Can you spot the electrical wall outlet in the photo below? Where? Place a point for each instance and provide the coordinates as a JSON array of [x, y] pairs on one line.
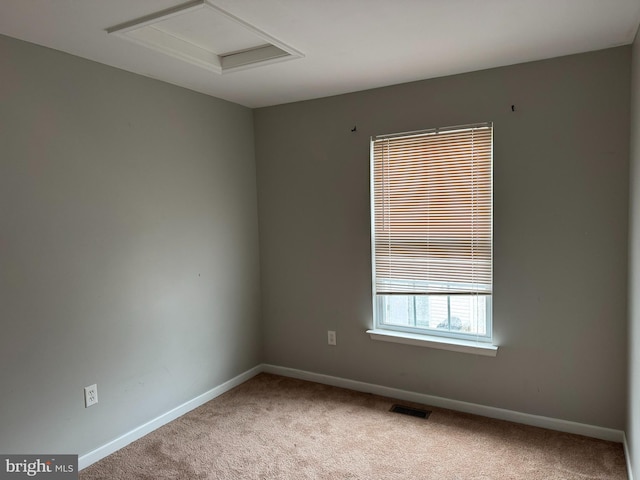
[[90, 395], [331, 337]]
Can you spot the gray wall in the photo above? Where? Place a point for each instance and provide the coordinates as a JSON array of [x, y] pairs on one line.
[[129, 248], [633, 402], [561, 193]]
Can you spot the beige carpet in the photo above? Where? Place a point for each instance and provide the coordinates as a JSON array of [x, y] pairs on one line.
[[281, 428]]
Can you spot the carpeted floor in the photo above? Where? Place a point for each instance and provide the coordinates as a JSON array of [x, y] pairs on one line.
[[273, 427]]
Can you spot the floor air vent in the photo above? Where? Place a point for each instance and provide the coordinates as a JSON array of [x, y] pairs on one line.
[[414, 412]]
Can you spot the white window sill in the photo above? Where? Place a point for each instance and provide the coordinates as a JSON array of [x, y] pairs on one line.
[[430, 341]]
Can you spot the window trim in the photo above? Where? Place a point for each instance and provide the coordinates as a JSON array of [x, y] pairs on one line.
[[447, 340], [431, 341]]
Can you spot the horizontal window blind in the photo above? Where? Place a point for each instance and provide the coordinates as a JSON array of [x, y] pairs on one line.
[[432, 200]]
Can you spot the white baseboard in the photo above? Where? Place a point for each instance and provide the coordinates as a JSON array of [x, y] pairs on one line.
[[627, 456], [139, 432], [492, 412]]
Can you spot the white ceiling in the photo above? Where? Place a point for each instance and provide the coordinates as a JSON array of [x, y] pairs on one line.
[[349, 45]]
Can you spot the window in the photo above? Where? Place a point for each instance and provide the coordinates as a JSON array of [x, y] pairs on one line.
[[432, 205]]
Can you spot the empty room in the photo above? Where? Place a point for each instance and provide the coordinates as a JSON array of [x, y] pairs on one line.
[[319, 239]]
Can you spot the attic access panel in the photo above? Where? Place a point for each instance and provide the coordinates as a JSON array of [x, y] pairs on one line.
[[202, 34]]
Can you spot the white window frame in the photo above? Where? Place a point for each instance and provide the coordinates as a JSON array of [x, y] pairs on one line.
[[430, 337]]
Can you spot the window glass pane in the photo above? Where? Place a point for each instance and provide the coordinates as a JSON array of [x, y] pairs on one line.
[[457, 314], [469, 314]]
